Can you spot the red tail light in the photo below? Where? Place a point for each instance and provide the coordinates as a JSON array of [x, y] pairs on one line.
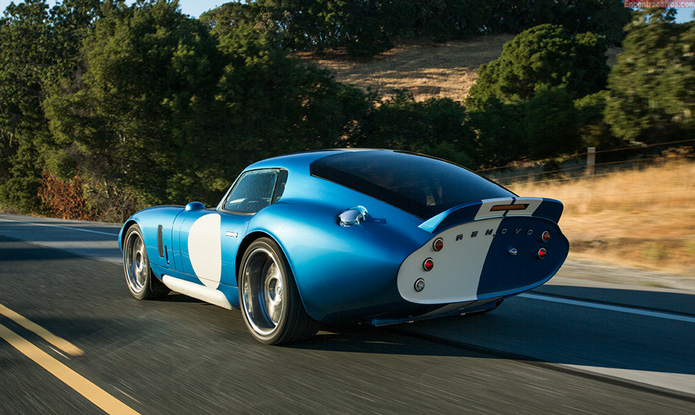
[[542, 253], [498, 208], [545, 236], [428, 264], [438, 244]]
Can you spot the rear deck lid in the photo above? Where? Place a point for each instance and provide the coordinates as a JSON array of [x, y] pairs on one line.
[[495, 208]]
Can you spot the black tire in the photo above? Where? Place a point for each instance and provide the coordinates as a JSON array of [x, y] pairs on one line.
[[269, 299], [139, 278]]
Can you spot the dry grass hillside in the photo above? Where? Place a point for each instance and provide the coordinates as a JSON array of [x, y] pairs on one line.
[[643, 218], [425, 69]]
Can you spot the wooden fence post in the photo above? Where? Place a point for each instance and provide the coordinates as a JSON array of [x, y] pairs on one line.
[[590, 161]]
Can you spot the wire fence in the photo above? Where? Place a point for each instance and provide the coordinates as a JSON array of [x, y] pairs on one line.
[[593, 164], [634, 207]]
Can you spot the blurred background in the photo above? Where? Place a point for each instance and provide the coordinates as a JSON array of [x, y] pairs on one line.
[[109, 107]]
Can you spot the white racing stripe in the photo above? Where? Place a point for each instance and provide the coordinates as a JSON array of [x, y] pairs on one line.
[[620, 309], [59, 226], [456, 273], [205, 249]]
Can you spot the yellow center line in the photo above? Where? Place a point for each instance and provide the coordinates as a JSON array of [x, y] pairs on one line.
[[81, 385], [58, 342]]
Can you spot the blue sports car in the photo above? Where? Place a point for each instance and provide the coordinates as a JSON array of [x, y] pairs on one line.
[[347, 236]]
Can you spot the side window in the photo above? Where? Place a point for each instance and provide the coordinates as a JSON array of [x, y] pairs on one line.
[[280, 186], [254, 191]]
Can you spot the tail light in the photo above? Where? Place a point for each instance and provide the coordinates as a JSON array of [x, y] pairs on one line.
[[542, 253], [438, 244], [428, 264], [545, 236], [501, 208]]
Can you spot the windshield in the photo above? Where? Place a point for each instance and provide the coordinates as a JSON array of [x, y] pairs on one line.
[[420, 185]]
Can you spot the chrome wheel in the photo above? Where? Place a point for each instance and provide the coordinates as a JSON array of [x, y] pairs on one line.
[[263, 292], [270, 302], [137, 267]]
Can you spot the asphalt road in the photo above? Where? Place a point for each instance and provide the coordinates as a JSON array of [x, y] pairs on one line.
[[73, 340]]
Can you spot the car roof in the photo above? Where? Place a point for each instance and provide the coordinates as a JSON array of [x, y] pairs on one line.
[[301, 161], [421, 185]]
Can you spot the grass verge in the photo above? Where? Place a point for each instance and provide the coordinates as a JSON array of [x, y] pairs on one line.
[[642, 218]]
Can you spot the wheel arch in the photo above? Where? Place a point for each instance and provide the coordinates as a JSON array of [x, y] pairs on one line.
[[258, 234], [124, 229], [248, 240]]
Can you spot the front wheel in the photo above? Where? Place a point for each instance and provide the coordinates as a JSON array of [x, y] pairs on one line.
[[142, 284], [270, 302]]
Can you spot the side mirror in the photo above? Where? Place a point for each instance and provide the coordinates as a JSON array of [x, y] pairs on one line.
[[194, 206]]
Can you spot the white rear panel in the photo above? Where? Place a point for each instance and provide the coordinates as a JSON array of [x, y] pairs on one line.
[[457, 267]]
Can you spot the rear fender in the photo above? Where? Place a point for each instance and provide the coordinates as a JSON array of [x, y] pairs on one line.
[[339, 270]]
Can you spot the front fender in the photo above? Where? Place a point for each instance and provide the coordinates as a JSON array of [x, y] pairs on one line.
[[149, 220]]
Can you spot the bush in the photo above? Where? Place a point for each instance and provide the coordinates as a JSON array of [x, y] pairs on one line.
[[65, 199], [540, 58], [594, 131], [551, 124], [652, 87], [500, 130], [439, 127]]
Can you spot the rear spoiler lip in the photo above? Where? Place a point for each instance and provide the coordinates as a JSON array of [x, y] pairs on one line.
[[550, 209]]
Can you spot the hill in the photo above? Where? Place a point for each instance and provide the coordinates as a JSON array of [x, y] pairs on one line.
[[426, 69]]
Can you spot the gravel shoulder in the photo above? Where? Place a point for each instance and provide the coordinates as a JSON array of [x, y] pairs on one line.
[[615, 274]]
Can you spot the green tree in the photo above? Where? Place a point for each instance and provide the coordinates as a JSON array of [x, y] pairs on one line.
[[439, 127], [539, 58], [551, 123], [531, 87], [367, 27], [279, 104], [38, 46], [167, 110], [606, 18], [501, 133], [141, 112], [652, 87], [594, 130]]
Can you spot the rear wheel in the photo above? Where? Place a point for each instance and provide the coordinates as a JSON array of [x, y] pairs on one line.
[[142, 284], [270, 302]]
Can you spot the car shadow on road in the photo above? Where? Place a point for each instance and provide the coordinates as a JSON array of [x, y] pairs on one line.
[[548, 330]]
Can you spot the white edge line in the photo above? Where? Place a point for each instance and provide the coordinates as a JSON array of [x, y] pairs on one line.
[[619, 309], [59, 226]]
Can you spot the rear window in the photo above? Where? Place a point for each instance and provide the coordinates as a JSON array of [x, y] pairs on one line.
[[420, 185]]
